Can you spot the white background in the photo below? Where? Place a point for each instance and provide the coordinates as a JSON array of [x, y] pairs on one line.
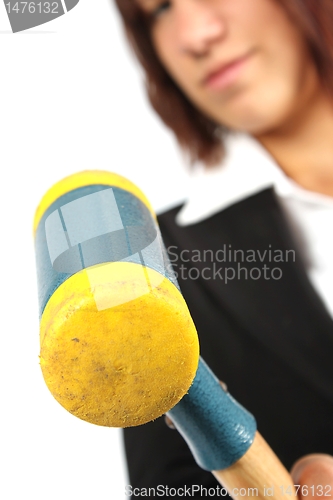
[[71, 99]]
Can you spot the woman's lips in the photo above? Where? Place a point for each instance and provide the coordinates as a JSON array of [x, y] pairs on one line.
[[226, 74]]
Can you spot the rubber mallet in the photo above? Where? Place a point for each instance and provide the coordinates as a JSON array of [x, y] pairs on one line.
[[118, 345]]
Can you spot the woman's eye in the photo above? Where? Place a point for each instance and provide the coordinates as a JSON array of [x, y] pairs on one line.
[[160, 9]]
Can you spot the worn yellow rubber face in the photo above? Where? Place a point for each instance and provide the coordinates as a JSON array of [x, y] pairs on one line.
[[118, 345]]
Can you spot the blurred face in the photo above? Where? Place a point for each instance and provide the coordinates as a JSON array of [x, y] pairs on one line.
[[241, 62]]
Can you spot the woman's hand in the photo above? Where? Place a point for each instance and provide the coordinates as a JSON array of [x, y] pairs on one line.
[[314, 475]]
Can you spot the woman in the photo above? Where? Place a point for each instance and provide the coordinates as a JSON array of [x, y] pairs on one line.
[[246, 85]]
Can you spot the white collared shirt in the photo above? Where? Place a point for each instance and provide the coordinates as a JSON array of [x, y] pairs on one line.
[[247, 169]]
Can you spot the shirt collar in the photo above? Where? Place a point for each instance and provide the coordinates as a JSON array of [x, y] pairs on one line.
[[247, 168]]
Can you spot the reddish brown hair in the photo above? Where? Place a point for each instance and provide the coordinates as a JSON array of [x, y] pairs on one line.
[[198, 135]]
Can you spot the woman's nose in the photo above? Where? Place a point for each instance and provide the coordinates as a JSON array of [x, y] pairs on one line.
[[198, 25]]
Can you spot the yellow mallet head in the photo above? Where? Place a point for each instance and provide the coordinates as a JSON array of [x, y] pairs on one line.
[[118, 345]]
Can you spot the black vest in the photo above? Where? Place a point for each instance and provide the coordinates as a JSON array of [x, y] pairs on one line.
[[263, 330]]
